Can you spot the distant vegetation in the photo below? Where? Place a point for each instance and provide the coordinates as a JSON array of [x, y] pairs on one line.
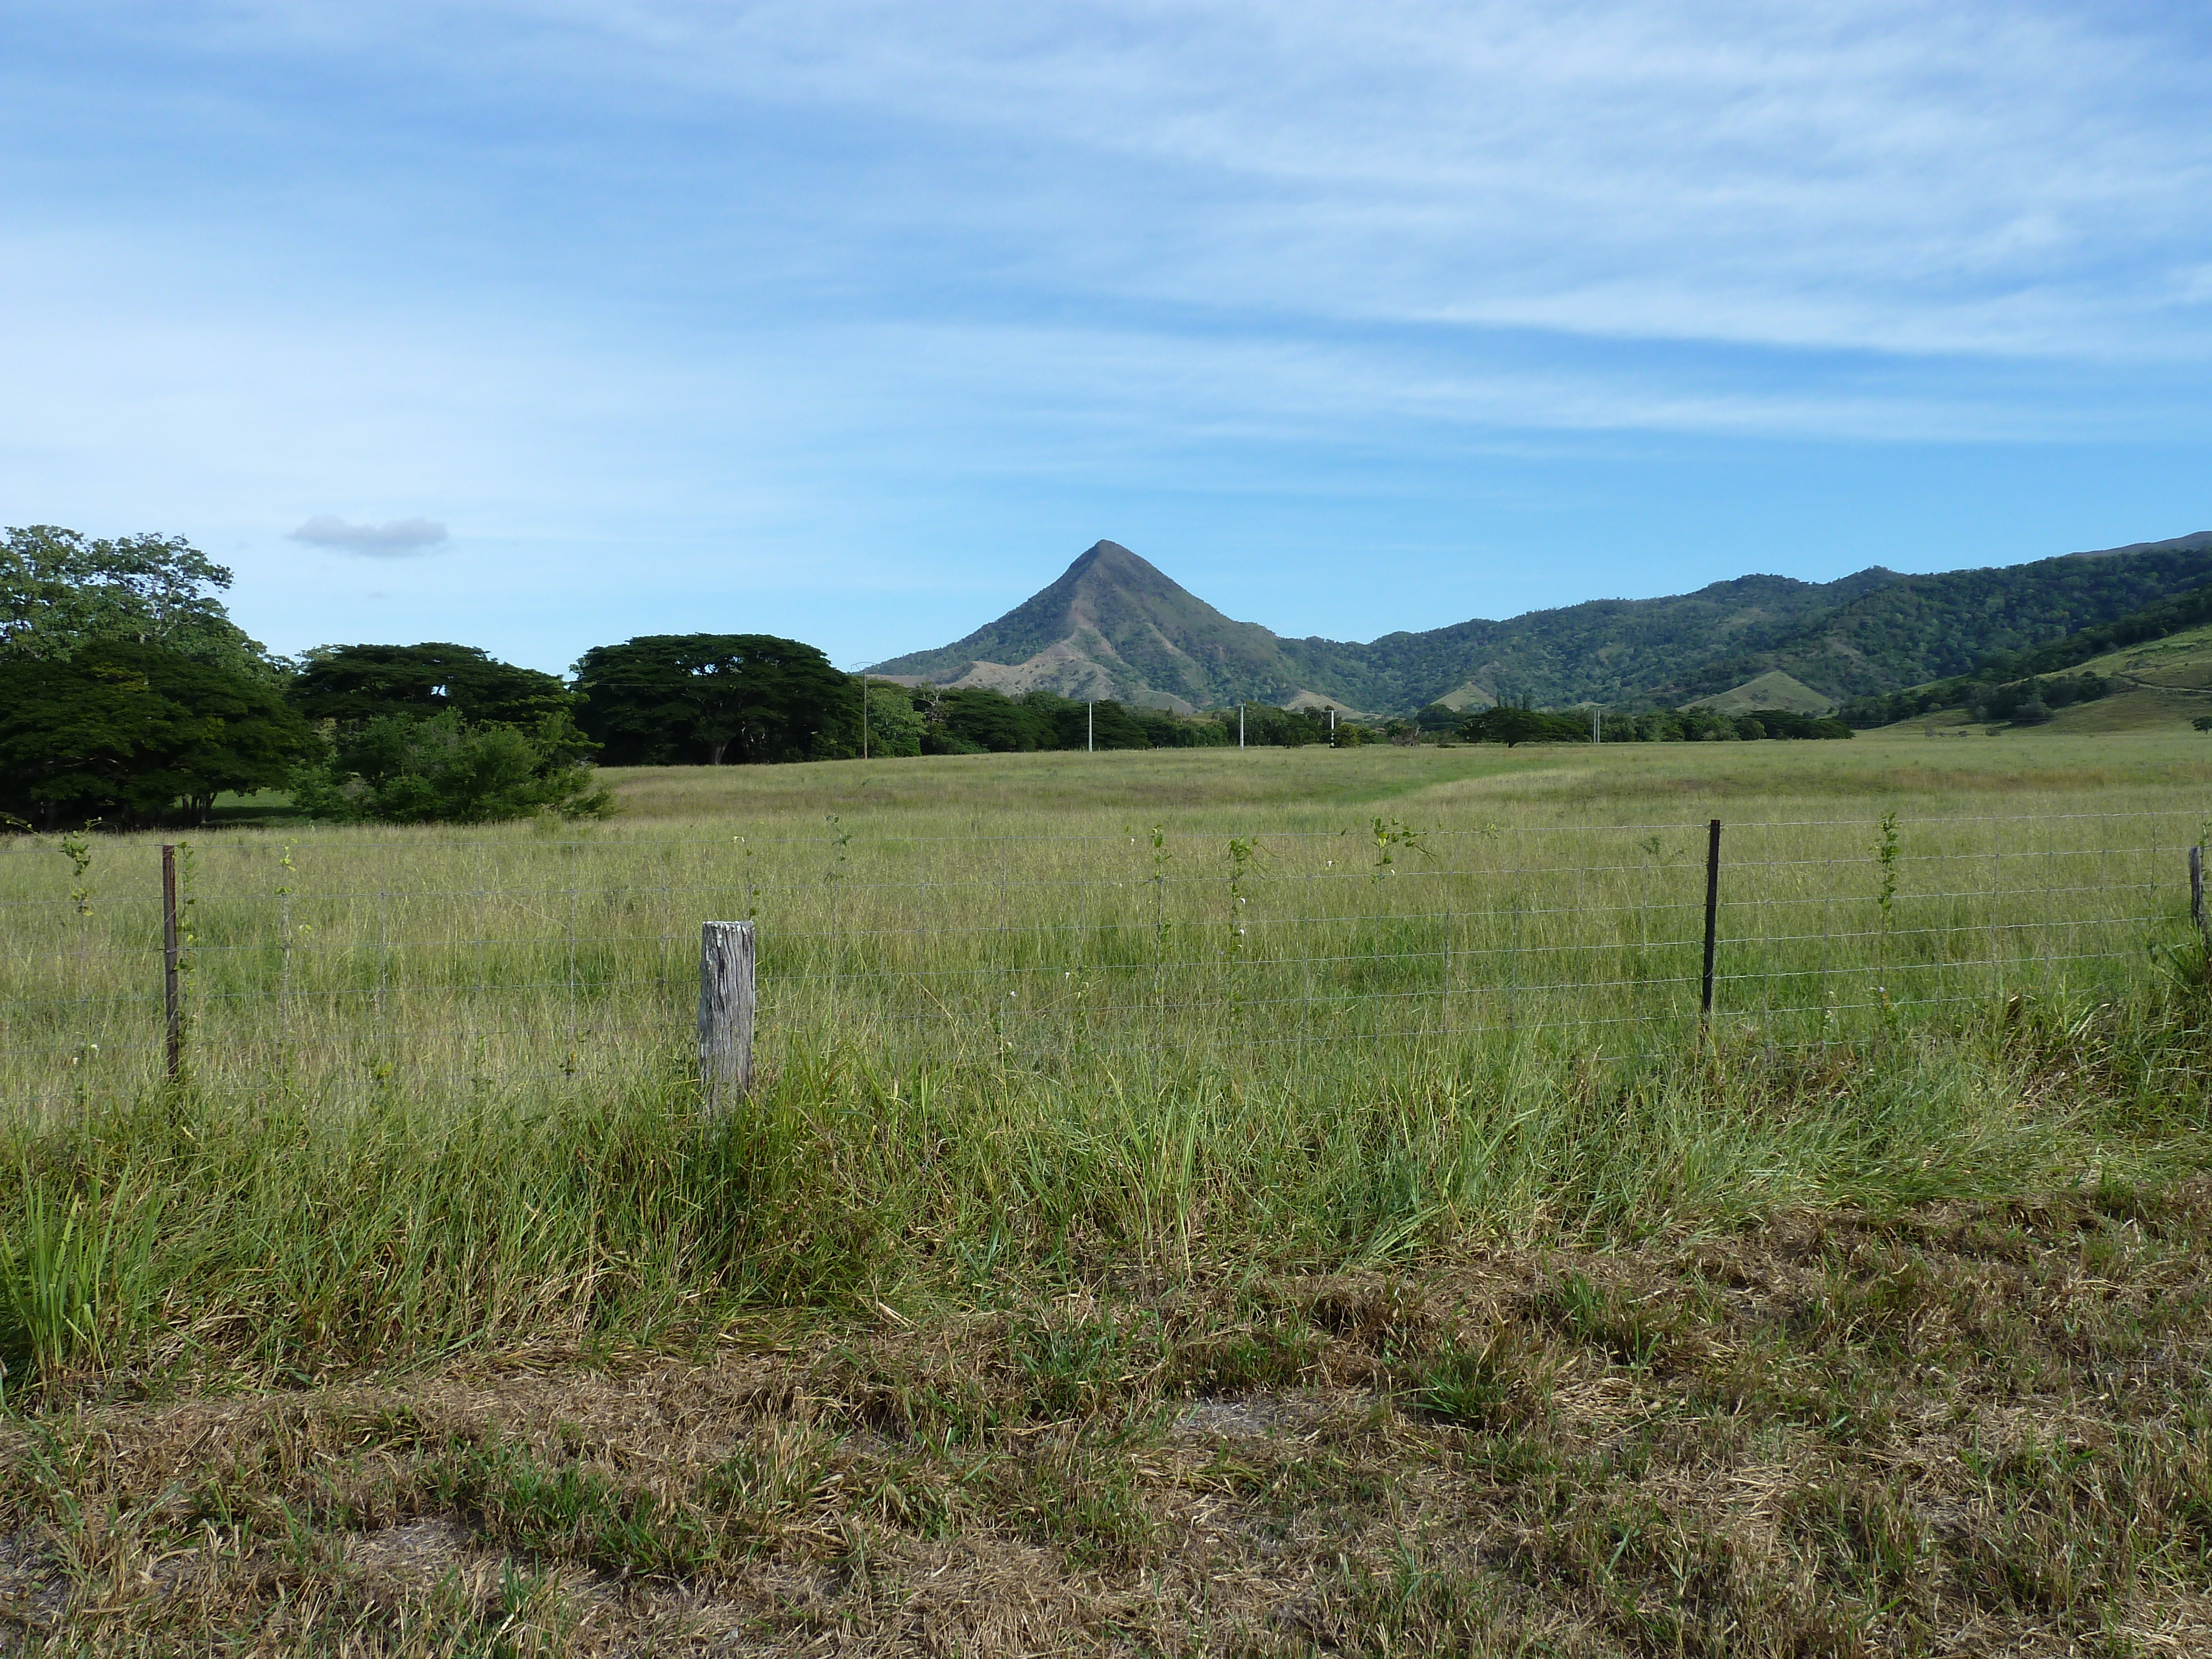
[[1984, 696], [131, 698], [1112, 618], [439, 732], [1916, 628], [929, 719], [61, 591], [123, 734], [127, 695], [354, 683], [441, 768], [1512, 725], [2025, 687]]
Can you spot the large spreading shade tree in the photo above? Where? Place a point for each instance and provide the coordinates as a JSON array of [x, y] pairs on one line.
[[127, 694], [351, 684], [130, 733], [667, 699], [61, 591]]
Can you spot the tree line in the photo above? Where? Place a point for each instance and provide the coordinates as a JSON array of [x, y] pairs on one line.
[[1511, 724], [128, 697]]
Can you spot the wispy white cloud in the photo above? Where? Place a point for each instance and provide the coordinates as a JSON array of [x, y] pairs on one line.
[[685, 293], [1890, 175]]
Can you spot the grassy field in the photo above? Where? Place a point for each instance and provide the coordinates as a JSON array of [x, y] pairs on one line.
[[1282, 1202], [2163, 685]]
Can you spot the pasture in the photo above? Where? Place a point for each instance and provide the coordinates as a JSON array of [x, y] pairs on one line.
[[1195, 1201]]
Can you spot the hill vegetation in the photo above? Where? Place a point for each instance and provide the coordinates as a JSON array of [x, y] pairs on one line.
[[1917, 629], [1115, 625], [1773, 689], [2165, 647]]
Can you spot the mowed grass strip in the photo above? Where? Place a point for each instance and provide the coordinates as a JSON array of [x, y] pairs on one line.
[[1963, 1428]]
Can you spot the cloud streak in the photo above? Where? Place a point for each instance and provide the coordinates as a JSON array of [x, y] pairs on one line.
[[766, 310], [395, 539], [1900, 176]]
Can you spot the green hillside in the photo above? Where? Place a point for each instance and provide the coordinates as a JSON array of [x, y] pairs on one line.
[[2182, 660], [1609, 651], [2151, 668], [2164, 682], [1115, 626], [1773, 689], [1919, 628]]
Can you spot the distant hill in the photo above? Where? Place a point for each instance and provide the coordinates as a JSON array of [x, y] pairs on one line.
[[1773, 689], [1113, 625], [1915, 629], [2157, 661], [1609, 651]]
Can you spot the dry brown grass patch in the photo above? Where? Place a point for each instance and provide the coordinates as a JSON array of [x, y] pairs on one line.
[[1967, 1429]]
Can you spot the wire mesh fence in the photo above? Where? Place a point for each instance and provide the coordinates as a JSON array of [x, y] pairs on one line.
[[482, 964]]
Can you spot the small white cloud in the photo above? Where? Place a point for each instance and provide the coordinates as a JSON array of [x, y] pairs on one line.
[[400, 539]]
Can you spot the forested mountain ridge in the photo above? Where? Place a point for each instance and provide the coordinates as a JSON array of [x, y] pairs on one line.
[[1917, 629], [1115, 626], [1609, 651]]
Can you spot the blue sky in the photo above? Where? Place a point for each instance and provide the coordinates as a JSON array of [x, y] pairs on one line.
[[537, 325]]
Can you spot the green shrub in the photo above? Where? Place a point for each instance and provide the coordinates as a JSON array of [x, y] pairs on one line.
[[403, 770]]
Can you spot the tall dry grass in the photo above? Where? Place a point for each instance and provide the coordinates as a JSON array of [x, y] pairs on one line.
[[1066, 1016]]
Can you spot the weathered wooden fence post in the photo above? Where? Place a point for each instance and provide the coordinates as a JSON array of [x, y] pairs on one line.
[[1712, 913], [2196, 887], [171, 995], [725, 1010]]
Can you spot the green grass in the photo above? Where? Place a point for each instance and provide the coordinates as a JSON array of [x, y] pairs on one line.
[[2163, 685], [2183, 660], [1773, 689], [1511, 1327]]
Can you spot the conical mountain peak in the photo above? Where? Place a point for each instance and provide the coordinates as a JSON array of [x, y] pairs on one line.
[[1114, 625]]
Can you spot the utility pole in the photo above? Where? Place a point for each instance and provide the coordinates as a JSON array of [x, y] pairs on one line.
[[1597, 725], [1090, 727], [1240, 726], [1332, 725], [864, 717]]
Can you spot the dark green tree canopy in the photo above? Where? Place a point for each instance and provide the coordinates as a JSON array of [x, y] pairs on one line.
[[669, 699], [60, 591], [351, 683], [976, 719], [1510, 726], [126, 732]]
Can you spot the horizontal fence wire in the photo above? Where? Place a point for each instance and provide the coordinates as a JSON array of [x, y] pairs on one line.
[[339, 964]]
